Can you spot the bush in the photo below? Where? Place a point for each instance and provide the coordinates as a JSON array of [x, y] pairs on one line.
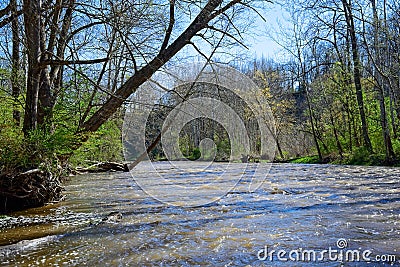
[[306, 160], [104, 145], [38, 149], [361, 156], [12, 149]]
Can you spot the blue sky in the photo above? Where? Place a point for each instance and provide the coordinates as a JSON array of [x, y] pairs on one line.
[[263, 45]]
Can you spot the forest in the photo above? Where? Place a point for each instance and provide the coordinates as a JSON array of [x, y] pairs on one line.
[[68, 69]]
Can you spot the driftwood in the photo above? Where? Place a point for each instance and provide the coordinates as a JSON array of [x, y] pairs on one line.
[[103, 167]]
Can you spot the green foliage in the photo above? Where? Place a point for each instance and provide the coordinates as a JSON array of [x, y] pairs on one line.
[[196, 154], [185, 146], [396, 146], [12, 149], [38, 149], [306, 160], [43, 150], [337, 118], [103, 145], [223, 150], [50, 145], [361, 156]]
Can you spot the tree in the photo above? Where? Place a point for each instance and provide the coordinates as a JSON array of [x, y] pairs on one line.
[[51, 29], [113, 46], [280, 101], [356, 37], [348, 11], [381, 79]]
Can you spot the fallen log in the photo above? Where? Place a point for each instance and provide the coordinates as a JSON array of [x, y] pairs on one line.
[[103, 167]]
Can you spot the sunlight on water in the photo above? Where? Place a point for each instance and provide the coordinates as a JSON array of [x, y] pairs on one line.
[[298, 206]]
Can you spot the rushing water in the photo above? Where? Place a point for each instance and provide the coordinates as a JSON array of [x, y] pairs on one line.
[[298, 206]]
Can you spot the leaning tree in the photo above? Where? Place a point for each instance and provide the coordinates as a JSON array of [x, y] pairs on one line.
[[112, 46]]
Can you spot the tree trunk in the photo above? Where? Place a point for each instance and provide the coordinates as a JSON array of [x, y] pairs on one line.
[[379, 88], [32, 11], [357, 73], [335, 133], [278, 146], [392, 114], [131, 85], [389, 152], [312, 125], [16, 89], [349, 124]]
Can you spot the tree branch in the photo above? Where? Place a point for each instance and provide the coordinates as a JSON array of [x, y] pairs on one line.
[[170, 26], [72, 62], [131, 85], [5, 11], [76, 31], [5, 21], [227, 34]]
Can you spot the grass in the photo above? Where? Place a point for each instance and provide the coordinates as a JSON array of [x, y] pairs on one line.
[[306, 160], [358, 157]]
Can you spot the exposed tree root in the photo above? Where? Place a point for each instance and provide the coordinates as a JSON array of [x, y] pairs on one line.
[[28, 189], [35, 188]]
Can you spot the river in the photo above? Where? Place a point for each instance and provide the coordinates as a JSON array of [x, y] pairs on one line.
[[298, 208]]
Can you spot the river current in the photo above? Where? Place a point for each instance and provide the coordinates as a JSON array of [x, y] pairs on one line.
[[313, 214]]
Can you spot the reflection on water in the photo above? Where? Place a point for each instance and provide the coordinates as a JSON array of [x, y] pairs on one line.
[[298, 206]]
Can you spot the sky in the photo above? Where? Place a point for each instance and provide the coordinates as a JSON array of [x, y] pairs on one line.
[[263, 45], [259, 43]]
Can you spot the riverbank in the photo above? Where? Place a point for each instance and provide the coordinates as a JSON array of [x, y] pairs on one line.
[[357, 159], [42, 187], [25, 189]]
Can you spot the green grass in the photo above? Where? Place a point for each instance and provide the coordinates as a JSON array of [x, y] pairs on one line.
[[306, 160], [358, 157]]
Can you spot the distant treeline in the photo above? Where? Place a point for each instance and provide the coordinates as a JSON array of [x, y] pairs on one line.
[[339, 81]]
